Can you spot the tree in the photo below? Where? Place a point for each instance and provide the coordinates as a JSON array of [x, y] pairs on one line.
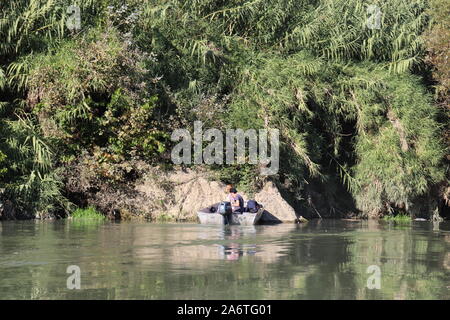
[[349, 99]]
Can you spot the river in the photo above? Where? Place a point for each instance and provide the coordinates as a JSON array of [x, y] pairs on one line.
[[327, 259]]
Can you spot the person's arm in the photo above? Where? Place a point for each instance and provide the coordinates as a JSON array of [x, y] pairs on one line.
[[233, 201], [241, 202]]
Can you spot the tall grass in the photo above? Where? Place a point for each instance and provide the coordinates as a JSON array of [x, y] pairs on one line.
[[399, 218], [87, 213]]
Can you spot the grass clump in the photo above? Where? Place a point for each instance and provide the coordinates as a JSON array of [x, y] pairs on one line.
[[164, 218], [400, 218], [88, 213]]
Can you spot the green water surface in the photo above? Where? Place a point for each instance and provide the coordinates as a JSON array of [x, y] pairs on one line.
[[317, 260]]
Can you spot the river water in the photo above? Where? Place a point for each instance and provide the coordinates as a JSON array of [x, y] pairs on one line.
[[318, 260]]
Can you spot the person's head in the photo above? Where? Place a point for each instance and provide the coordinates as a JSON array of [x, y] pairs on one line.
[[228, 188], [233, 190]]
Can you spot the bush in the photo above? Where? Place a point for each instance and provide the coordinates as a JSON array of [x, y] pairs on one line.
[[32, 182]]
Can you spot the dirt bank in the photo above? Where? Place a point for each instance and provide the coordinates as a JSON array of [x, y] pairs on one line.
[[160, 195]]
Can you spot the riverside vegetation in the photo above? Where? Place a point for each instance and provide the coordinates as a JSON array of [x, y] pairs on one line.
[[362, 112]]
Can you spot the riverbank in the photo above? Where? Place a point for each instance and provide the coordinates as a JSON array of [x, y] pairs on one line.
[[159, 195], [166, 195], [98, 117]]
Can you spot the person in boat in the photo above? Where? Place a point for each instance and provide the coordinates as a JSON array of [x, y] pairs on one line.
[[237, 202]]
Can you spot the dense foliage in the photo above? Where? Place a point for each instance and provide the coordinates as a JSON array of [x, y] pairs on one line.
[[352, 98], [438, 46]]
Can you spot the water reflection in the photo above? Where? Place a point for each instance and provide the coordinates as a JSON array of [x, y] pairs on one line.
[[233, 250], [317, 260]]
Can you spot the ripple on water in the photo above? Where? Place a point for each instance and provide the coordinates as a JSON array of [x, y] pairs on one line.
[[319, 259]]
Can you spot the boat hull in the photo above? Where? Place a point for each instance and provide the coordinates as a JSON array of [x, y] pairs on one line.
[[246, 218]]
